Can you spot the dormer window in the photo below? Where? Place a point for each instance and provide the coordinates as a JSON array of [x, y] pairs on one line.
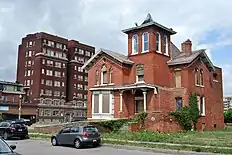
[[145, 38], [165, 45], [158, 42], [135, 44], [140, 73]]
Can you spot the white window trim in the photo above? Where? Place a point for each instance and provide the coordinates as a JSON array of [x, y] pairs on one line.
[[143, 42], [159, 51], [166, 40], [133, 43], [203, 106]]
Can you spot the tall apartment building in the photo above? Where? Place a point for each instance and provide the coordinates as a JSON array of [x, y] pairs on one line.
[[44, 62], [227, 102]]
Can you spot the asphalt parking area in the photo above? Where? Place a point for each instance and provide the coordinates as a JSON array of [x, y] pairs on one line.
[[38, 147]]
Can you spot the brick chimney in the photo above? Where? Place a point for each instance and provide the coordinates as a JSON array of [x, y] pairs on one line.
[[187, 47]]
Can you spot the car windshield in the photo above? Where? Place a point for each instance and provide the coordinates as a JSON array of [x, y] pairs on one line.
[[90, 129], [4, 148]]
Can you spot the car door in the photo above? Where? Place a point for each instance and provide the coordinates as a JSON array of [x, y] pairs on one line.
[[2, 129], [64, 136], [73, 134]]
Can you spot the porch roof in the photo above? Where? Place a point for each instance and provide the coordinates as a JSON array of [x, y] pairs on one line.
[[126, 87]]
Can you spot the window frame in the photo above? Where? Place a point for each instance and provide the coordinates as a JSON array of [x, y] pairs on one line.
[[201, 80], [166, 52], [135, 44], [158, 42], [143, 42]]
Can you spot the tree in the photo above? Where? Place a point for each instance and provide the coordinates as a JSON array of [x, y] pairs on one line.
[[193, 109]]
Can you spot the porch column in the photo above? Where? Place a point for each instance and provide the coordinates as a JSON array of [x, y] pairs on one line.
[[120, 108], [145, 101]]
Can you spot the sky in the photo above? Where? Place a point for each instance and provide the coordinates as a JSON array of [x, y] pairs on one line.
[[207, 23]]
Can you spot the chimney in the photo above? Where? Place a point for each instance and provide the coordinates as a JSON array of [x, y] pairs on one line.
[[187, 47]]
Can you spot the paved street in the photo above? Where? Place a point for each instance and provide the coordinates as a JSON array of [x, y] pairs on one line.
[[36, 147]]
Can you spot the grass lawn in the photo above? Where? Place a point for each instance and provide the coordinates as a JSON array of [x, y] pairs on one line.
[[221, 138]]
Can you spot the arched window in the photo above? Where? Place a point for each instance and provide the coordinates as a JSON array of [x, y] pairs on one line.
[[158, 42], [166, 45], [103, 75], [196, 76], [97, 78], [201, 77], [135, 44], [111, 75], [145, 38]]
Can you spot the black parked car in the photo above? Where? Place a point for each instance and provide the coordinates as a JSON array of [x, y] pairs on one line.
[[11, 129], [78, 136], [5, 149]]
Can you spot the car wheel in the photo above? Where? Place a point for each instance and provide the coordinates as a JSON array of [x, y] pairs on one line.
[[54, 141], [5, 136], [77, 144]]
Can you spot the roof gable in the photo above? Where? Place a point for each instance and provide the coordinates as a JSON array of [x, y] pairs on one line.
[[149, 22], [114, 55]]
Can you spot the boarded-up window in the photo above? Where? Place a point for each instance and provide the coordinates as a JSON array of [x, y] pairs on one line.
[[96, 103], [104, 75], [139, 106], [111, 76], [196, 77], [105, 103], [201, 77], [140, 72], [177, 79]]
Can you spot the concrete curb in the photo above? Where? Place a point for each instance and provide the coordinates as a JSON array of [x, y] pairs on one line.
[[155, 150]]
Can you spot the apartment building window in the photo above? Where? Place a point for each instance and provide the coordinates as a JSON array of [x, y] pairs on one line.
[[57, 74], [81, 60], [64, 55], [75, 68], [30, 43], [104, 75], [28, 82], [50, 43], [81, 51], [62, 84], [86, 78], [201, 77], [58, 45], [29, 63], [33, 52], [26, 54], [49, 72], [64, 65], [42, 71], [32, 71], [43, 61], [135, 44], [41, 91], [75, 76], [48, 82], [196, 77], [49, 63], [79, 69], [33, 62], [31, 83], [79, 96], [87, 53], [63, 74], [86, 71], [177, 78], [74, 85], [179, 103], [80, 86], [145, 39], [62, 93], [64, 46], [58, 64], [86, 87], [48, 92], [25, 74], [80, 78], [42, 81], [75, 58], [44, 50], [29, 53], [74, 94], [25, 63], [29, 73], [165, 45], [158, 42], [57, 83], [140, 73], [85, 97]]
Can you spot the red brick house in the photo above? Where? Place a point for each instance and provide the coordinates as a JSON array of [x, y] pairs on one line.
[[155, 77]]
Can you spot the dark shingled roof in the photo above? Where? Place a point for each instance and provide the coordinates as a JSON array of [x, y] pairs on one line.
[[179, 58], [149, 22], [119, 57]]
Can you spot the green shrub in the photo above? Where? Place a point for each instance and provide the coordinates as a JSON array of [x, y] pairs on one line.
[[228, 116], [112, 125]]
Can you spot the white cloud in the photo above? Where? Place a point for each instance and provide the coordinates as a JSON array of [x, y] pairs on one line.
[[99, 23]]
